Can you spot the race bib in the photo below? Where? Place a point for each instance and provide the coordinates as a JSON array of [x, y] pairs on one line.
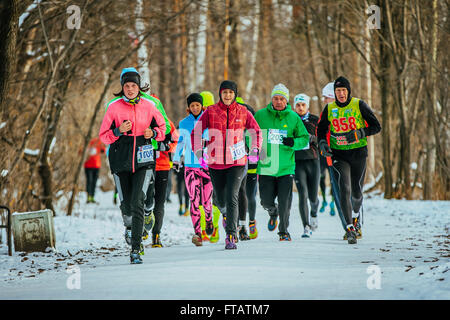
[[276, 136], [238, 150], [145, 154], [92, 151]]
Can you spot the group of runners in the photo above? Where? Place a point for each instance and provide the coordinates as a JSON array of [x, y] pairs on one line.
[[225, 150]]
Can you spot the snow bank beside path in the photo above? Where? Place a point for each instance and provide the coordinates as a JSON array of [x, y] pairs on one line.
[[406, 241]]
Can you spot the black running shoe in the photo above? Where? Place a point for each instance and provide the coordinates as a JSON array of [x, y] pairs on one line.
[[243, 236], [209, 228], [351, 235]]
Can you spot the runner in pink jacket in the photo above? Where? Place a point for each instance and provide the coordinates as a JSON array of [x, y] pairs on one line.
[[130, 122]]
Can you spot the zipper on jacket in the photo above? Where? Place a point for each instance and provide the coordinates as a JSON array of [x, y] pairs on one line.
[[225, 148], [134, 137]]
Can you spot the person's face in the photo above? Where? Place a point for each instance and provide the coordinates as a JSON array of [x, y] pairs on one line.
[[341, 94], [301, 108], [279, 103], [327, 100], [131, 90], [227, 96], [195, 108]]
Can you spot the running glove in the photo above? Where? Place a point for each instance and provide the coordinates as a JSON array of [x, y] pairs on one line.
[[325, 149], [253, 156], [176, 166], [355, 135], [312, 139], [288, 141]]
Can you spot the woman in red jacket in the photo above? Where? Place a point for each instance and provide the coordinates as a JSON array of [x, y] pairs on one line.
[[92, 167], [129, 124], [225, 152]]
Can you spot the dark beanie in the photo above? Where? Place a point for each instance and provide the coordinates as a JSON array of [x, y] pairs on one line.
[[194, 97], [130, 77], [342, 82], [227, 84]]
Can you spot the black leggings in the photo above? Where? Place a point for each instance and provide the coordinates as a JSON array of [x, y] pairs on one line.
[[226, 183], [280, 188], [350, 179], [91, 180], [307, 175], [181, 189], [251, 188], [156, 199], [243, 201], [132, 188]]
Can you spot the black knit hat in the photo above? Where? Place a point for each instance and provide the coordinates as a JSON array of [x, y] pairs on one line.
[[194, 97], [227, 84], [342, 82], [130, 77]]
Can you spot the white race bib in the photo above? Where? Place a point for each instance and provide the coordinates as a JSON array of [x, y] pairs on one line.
[[145, 154], [92, 151], [276, 136], [238, 150]]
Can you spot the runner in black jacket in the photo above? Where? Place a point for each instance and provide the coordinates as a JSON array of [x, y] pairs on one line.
[[307, 167], [350, 121]]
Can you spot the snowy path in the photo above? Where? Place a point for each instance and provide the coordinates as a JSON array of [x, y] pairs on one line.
[[407, 241]]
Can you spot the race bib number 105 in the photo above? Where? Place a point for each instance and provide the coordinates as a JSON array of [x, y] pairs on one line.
[[238, 150]]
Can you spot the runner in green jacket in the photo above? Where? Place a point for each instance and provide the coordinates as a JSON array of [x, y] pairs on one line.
[[283, 133]]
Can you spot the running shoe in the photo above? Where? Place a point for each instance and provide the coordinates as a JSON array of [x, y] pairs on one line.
[[285, 236], [215, 236], [253, 230], [243, 236], [314, 223], [197, 240], [230, 242], [306, 232], [156, 241], [273, 223]]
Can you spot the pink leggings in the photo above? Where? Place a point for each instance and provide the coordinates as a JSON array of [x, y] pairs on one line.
[[199, 187]]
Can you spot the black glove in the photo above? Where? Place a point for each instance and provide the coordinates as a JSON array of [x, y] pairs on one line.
[[325, 149], [312, 139], [355, 135], [163, 145], [176, 166], [288, 141]]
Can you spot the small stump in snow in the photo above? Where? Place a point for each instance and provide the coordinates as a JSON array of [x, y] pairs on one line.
[[33, 231]]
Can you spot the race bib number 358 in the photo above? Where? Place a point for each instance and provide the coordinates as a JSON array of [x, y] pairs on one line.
[[145, 154]]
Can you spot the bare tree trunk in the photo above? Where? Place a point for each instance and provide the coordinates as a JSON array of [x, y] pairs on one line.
[[254, 52], [312, 64], [50, 81], [235, 50], [9, 15], [227, 40], [368, 75], [384, 81], [142, 53], [431, 143]]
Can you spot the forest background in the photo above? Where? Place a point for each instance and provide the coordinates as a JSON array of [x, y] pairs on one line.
[[60, 63]]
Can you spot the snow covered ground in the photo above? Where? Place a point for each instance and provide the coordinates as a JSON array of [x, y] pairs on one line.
[[404, 254]]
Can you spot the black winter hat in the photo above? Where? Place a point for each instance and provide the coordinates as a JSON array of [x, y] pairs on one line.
[[227, 84], [342, 82], [130, 77], [194, 97]]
